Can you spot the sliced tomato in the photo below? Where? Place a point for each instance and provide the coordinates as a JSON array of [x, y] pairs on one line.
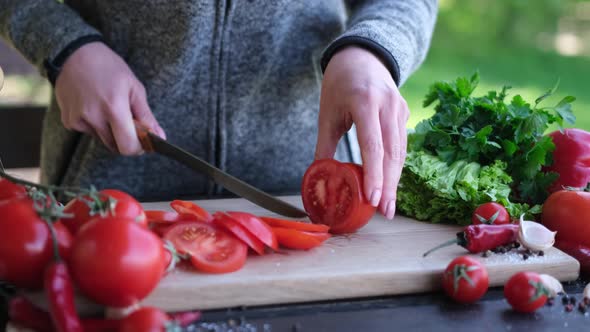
[[223, 220], [187, 207], [166, 217], [293, 224], [332, 194], [257, 227], [295, 239], [211, 248]]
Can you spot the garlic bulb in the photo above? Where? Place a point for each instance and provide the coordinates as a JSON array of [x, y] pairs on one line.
[[553, 285], [535, 236]]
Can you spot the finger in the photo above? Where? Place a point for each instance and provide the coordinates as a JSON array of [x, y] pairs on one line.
[[392, 158], [329, 133], [141, 110], [120, 120], [82, 126], [101, 128], [371, 146]]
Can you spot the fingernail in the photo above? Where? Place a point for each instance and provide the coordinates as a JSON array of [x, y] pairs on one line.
[[161, 132], [390, 209], [375, 197]]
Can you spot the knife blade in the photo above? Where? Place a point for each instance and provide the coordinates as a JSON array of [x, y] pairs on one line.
[[153, 143]]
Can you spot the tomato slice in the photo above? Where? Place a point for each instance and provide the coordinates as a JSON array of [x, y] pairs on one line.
[[257, 227], [211, 248], [332, 194], [167, 217], [293, 224], [295, 239], [225, 221], [187, 207]]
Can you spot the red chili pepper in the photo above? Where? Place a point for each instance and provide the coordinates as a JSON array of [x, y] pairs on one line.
[[59, 290], [60, 295], [479, 238], [24, 313]]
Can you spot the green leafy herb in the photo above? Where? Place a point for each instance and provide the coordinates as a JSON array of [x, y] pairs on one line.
[[480, 134]]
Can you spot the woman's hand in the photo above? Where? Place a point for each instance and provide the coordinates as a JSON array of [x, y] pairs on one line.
[[357, 88], [99, 95]]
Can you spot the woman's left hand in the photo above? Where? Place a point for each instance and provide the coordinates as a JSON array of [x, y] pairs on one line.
[[357, 88]]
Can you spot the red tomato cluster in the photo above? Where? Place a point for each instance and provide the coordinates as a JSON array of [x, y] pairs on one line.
[[99, 244]]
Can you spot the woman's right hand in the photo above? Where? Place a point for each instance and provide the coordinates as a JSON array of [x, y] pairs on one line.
[[98, 94]]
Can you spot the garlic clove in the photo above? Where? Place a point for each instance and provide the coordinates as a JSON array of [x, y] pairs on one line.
[[535, 236], [553, 285], [587, 291]]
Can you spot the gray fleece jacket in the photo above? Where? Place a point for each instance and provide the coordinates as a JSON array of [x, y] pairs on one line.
[[236, 82]]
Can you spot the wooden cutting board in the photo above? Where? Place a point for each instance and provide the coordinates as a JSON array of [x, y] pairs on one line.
[[383, 258]]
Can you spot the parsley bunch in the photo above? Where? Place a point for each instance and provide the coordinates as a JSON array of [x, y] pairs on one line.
[[487, 129]]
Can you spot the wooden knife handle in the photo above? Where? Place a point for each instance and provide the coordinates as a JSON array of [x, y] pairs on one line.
[[144, 137]]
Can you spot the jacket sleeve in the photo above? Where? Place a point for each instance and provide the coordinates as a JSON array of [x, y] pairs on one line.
[[397, 31], [41, 29]]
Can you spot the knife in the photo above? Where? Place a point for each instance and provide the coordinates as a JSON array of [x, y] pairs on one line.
[[153, 143]]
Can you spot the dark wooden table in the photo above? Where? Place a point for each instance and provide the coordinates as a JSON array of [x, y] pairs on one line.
[[416, 312]]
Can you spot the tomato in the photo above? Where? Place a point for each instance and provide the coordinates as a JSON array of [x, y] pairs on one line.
[[571, 158], [302, 240], [166, 217], [125, 207], [26, 245], [525, 291], [146, 319], [256, 226], [568, 213], [490, 213], [228, 223], [332, 195], [211, 248], [9, 189], [116, 262], [298, 225], [186, 207], [465, 279]]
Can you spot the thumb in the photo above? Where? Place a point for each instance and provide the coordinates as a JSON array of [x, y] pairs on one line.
[[141, 110], [329, 135]]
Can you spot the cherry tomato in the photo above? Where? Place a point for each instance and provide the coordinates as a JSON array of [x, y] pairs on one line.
[[125, 207], [332, 194], [293, 224], [567, 212], [301, 240], [571, 158], [187, 207], [116, 262], [465, 279], [146, 319], [490, 213], [9, 190], [525, 292], [228, 223], [257, 227], [212, 249], [26, 246]]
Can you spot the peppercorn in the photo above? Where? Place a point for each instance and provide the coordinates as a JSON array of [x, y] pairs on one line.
[[587, 301], [582, 307], [550, 302], [541, 253], [565, 299], [569, 307], [525, 256], [573, 300]]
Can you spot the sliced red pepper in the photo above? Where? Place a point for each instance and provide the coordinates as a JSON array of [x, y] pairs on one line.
[[293, 224], [187, 207], [296, 239], [257, 227], [228, 223], [23, 312]]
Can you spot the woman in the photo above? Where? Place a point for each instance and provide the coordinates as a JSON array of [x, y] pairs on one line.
[[238, 83]]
